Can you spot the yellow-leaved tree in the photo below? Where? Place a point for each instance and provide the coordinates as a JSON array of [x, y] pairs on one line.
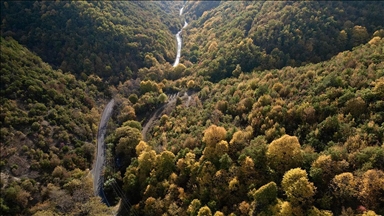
[[371, 189], [142, 147], [204, 211], [344, 187], [215, 144], [213, 135], [146, 162], [165, 165], [284, 154], [298, 188], [239, 140], [193, 207]]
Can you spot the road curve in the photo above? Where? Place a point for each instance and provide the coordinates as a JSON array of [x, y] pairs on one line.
[[181, 11], [179, 41], [156, 115], [100, 157]]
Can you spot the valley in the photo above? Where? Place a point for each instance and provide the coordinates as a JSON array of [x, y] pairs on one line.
[[192, 108]]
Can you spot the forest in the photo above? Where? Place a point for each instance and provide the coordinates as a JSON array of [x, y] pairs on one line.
[[279, 107]]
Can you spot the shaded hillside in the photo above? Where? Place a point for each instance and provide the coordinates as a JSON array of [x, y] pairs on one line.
[[286, 115], [109, 38], [236, 150], [273, 34], [48, 123], [195, 9]]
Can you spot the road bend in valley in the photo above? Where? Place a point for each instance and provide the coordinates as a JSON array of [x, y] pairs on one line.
[[100, 159], [179, 41], [171, 99]]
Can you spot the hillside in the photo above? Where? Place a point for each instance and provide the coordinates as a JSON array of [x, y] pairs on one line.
[[231, 151], [280, 108], [48, 123], [274, 34], [111, 39]]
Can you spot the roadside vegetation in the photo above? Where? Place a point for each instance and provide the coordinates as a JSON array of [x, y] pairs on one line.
[[285, 114]]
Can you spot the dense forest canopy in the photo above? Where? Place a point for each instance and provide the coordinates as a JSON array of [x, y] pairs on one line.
[[276, 107], [294, 141], [274, 34], [106, 38], [48, 126]]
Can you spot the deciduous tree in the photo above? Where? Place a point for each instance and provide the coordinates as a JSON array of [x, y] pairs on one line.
[[344, 187], [265, 195], [204, 211], [371, 189], [284, 154], [213, 135], [297, 187]]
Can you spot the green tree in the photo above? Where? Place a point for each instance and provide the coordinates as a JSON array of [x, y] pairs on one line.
[[323, 169], [162, 98], [342, 39], [179, 69], [133, 98], [153, 206], [150, 60], [165, 165], [265, 195], [127, 139], [149, 86], [359, 35], [316, 212], [239, 140], [133, 124], [191, 84], [237, 71], [127, 113]]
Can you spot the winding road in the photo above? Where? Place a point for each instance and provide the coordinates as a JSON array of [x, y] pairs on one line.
[[156, 114], [97, 170], [179, 41], [100, 157]]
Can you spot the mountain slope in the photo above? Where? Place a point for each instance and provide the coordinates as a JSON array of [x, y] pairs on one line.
[[230, 152], [273, 34], [109, 38], [48, 123], [280, 120]]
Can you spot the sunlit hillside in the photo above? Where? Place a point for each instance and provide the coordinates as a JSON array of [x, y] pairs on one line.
[[192, 108]]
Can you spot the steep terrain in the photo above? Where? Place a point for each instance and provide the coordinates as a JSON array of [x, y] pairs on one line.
[[286, 115], [48, 129], [111, 39], [234, 152], [273, 34]]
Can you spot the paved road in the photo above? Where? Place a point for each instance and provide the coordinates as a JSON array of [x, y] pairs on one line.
[[156, 114], [100, 158], [188, 101], [159, 111], [179, 41]]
